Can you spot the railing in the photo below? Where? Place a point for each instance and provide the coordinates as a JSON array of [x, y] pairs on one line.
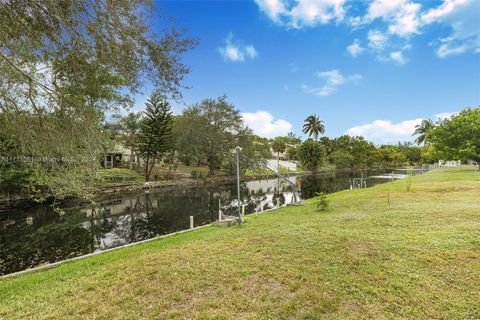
[[296, 192]]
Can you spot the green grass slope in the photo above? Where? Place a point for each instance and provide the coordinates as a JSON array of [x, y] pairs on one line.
[[417, 257]]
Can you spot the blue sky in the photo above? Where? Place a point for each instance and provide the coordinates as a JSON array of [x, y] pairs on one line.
[[369, 68]]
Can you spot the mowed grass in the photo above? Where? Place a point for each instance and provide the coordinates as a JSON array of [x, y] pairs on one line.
[[417, 257]]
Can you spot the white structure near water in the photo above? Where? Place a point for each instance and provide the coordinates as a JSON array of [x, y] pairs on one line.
[[449, 164], [272, 164]]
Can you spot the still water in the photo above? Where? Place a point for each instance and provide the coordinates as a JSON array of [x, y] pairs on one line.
[[35, 234]]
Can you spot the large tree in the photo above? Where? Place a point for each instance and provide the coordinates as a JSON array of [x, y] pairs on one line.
[[422, 131], [311, 155], [128, 126], [155, 137], [458, 138], [348, 151], [214, 128], [278, 146], [63, 63], [313, 126]]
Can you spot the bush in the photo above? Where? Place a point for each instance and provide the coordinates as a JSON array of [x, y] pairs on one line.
[[321, 201], [197, 174]]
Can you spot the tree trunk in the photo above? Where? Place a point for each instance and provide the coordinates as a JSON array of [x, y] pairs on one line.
[[147, 173], [131, 162], [151, 167], [211, 167]]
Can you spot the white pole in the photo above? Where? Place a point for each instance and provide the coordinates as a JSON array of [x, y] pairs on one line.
[[219, 210], [191, 222], [238, 185]]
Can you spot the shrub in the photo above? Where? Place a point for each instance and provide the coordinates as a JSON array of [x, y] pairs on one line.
[[197, 174], [321, 201]]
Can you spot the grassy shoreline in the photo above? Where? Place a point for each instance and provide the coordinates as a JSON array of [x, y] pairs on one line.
[[415, 257]]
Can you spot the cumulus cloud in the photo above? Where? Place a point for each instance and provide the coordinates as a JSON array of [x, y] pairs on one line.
[[333, 79], [263, 124], [444, 115], [442, 11], [393, 21], [302, 13], [397, 56], [462, 16], [402, 16], [377, 40], [274, 9], [384, 131], [355, 49], [235, 51]]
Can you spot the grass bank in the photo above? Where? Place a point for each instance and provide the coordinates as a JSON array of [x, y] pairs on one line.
[[416, 257]]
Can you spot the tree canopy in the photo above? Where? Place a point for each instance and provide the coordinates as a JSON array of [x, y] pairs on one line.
[[313, 126], [155, 138], [458, 137], [212, 125], [63, 64], [311, 154]]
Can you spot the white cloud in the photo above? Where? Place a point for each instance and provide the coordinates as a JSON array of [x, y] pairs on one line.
[[444, 115], [272, 8], [397, 56], [377, 40], [384, 131], [311, 13], [402, 16], [251, 52], [355, 22], [303, 13], [333, 79], [355, 49], [462, 16], [263, 124], [235, 51], [394, 21], [443, 10]]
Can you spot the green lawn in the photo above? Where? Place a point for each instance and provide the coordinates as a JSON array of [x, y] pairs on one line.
[[417, 257]]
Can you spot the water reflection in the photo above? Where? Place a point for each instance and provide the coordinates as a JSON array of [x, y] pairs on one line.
[[31, 235]]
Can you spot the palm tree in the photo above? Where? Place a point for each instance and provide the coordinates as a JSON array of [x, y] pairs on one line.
[[313, 126], [422, 130], [278, 146]]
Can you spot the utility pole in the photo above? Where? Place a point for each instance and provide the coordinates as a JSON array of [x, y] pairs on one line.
[[240, 219]]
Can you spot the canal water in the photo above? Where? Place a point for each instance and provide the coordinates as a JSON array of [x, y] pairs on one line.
[[36, 234]]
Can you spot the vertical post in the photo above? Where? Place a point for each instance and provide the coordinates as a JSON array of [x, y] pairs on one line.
[[191, 222], [219, 210], [238, 184]]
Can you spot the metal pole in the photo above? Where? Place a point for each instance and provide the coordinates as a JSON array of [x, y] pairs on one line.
[[219, 210], [238, 185]]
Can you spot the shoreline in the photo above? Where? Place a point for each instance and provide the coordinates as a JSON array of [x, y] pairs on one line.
[[99, 191]]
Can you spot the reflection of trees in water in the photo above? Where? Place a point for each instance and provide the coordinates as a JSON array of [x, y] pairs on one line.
[[332, 182], [50, 237], [327, 183]]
